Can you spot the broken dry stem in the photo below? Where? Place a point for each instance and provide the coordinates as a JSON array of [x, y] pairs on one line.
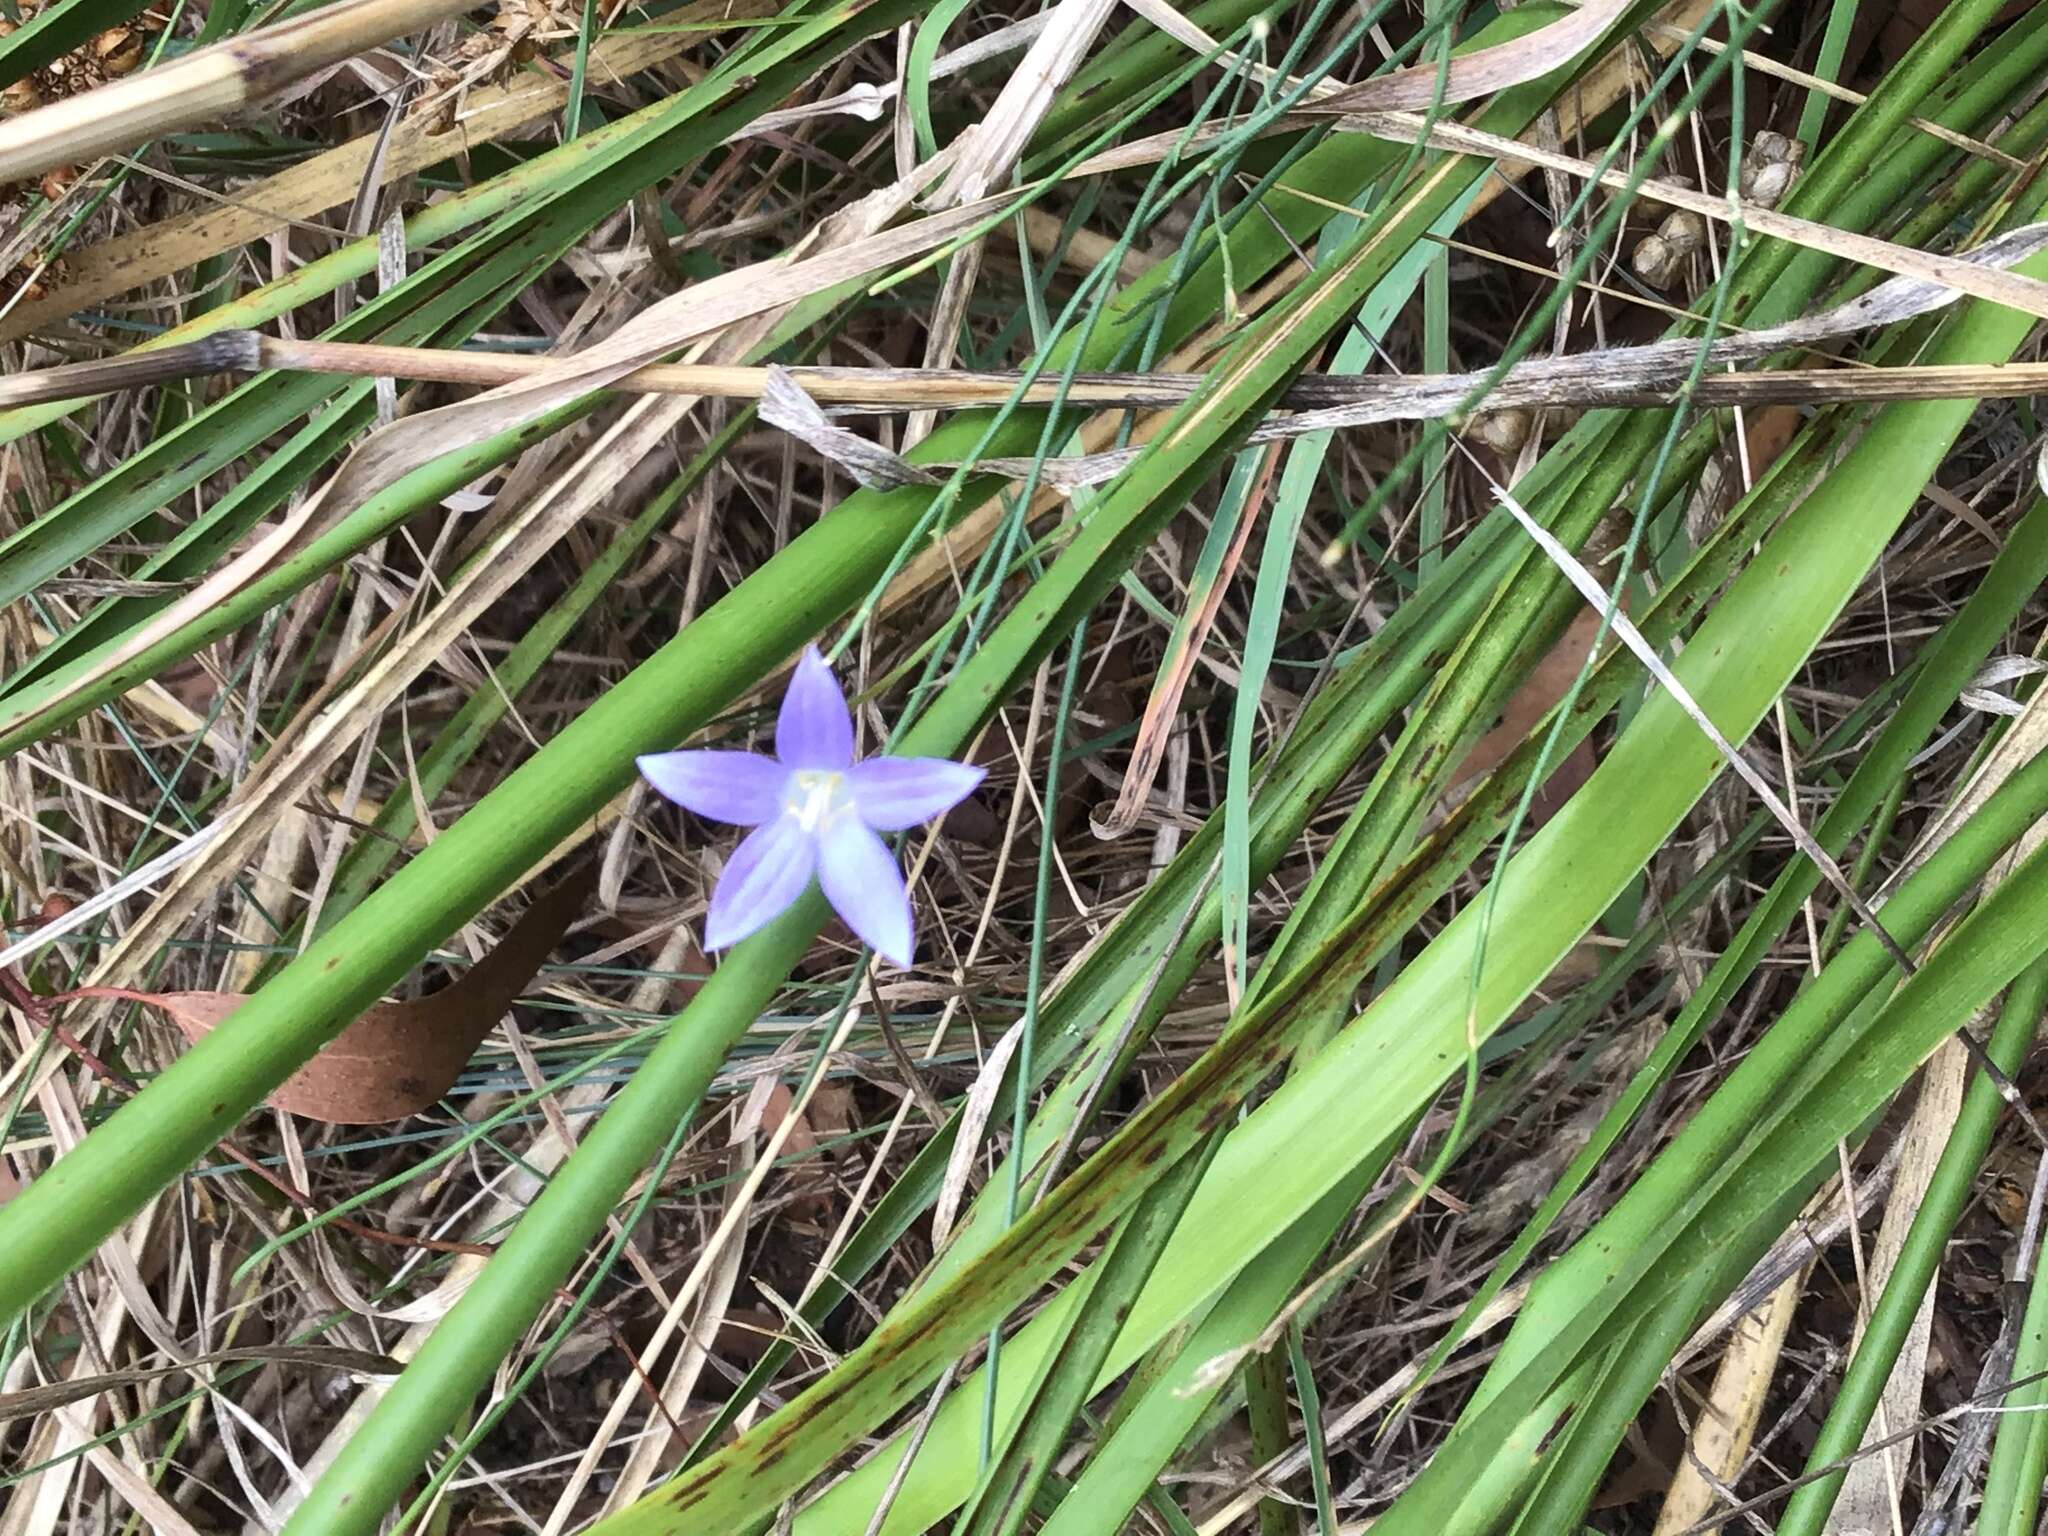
[[891, 389]]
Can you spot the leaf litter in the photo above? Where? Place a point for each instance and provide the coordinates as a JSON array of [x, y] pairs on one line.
[[491, 1038]]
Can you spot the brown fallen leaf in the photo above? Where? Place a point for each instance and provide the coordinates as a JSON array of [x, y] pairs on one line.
[[747, 1332], [828, 1115], [1767, 433], [1547, 682], [397, 1059], [801, 1138]]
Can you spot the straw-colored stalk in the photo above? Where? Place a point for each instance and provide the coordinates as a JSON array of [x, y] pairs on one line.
[[206, 86]]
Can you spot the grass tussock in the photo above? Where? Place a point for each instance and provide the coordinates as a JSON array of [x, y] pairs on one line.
[[1489, 558]]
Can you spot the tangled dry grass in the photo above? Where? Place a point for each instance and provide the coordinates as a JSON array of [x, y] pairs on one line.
[[199, 1373]]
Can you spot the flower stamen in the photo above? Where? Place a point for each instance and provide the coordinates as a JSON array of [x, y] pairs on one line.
[[814, 798]]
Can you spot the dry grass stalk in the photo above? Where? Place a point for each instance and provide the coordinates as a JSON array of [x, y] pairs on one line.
[[1612, 377], [206, 86]]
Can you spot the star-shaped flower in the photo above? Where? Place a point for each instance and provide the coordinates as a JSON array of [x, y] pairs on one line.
[[814, 811]]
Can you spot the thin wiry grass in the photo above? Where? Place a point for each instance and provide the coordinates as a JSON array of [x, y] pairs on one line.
[[366, 1236]]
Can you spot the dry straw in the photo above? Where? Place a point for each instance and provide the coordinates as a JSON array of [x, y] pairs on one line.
[[206, 86]]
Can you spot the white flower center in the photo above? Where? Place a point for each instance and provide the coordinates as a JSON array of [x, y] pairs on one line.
[[814, 797]]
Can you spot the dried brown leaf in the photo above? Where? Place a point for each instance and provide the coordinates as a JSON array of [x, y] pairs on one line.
[[398, 1059]]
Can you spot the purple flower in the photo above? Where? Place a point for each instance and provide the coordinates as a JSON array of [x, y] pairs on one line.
[[814, 811]]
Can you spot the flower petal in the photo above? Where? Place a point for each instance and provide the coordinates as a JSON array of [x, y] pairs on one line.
[[892, 793], [814, 729], [771, 868], [865, 888], [740, 787]]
